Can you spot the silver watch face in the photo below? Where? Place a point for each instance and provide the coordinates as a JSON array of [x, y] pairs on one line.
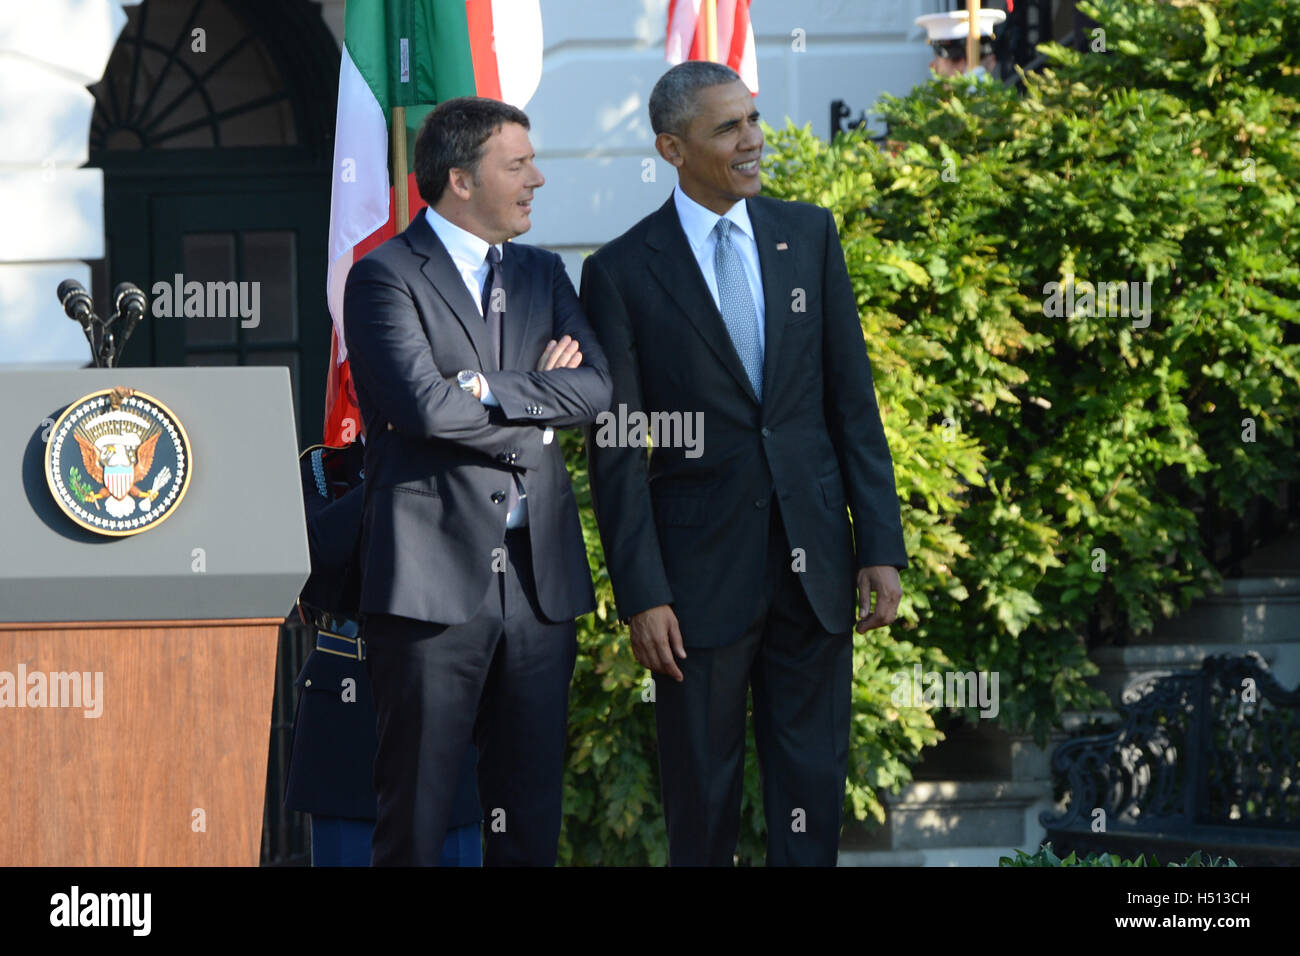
[[465, 379]]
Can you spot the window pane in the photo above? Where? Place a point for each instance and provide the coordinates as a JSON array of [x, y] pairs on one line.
[[271, 259], [209, 257]]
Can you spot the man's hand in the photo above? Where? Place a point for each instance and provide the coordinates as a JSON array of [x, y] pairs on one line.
[[561, 354], [883, 580], [655, 638]]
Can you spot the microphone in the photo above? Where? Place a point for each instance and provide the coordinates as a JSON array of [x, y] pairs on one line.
[[75, 301], [77, 306], [129, 302]]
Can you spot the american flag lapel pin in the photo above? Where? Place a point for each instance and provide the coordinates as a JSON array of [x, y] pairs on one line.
[[782, 246]]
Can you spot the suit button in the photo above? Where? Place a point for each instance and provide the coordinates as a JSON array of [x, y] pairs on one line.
[[767, 433], [498, 497], [760, 503]]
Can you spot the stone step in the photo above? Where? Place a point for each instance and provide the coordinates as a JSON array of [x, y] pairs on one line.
[[944, 856], [1249, 611], [1120, 666], [981, 750], [930, 814]]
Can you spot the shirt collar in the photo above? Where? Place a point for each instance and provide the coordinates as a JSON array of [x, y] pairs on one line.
[[466, 249], [697, 221]]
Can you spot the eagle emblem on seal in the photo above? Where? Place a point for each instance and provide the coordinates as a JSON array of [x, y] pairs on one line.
[[112, 456]]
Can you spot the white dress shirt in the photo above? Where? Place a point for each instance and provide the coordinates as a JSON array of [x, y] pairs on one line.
[[469, 255], [698, 224]]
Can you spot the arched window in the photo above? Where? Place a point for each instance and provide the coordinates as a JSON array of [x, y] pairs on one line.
[[190, 75]]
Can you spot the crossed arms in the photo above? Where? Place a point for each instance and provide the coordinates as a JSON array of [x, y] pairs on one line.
[[393, 364]]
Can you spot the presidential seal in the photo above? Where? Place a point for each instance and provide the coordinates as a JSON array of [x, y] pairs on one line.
[[117, 461]]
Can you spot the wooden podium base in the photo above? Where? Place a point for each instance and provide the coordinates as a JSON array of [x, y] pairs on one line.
[[154, 755]]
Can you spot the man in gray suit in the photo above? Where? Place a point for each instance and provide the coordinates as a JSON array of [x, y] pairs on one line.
[[735, 562]]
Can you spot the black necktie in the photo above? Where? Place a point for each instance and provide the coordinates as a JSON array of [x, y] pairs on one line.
[[494, 301], [494, 296]]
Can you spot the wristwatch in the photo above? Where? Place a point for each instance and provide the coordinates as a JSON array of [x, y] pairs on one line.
[[466, 378]]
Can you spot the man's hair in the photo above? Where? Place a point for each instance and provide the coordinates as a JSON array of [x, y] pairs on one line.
[[672, 101], [453, 135]]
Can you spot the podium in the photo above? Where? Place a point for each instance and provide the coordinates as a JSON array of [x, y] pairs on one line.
[[137, 670]]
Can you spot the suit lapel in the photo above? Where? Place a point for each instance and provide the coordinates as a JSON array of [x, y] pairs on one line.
[[441, 272], [675, 268], [514, 323], [776, 266]]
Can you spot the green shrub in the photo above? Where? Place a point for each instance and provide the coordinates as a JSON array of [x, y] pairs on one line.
[[1046, 857]]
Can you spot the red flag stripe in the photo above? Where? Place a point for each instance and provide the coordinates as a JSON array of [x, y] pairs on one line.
[[739, 31], [340, 398], [478, 17]]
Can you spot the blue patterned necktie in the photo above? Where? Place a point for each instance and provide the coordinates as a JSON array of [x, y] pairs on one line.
[[736, 304]]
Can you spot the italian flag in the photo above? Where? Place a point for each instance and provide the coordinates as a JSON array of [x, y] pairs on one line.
[[412, 54]]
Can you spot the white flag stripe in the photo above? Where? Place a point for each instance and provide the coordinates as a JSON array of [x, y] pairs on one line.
[[749, 60], [359, 193], [681, 30], [517, 42], [726, 21]]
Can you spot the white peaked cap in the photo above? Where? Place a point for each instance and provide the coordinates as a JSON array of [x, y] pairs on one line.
[[956, 25]]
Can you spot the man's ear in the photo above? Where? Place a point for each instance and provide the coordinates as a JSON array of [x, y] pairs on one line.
[[458, 181], [669, 147]]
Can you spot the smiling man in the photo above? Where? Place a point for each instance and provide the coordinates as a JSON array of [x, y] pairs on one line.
[[466, 349], [737, 567]]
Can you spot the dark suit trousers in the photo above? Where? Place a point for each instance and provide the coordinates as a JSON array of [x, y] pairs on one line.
[[501, 679], [801, 677]]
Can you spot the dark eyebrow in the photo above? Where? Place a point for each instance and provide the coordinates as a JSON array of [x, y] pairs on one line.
[[723, 127], [520, 159]]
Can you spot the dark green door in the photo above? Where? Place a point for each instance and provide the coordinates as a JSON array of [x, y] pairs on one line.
[[272, 247]]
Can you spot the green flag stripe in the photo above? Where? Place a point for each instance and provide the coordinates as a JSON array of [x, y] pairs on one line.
[[440, 65]]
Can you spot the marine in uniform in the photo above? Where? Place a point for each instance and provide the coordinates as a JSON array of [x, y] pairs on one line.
[[947, 33], [331, 765]]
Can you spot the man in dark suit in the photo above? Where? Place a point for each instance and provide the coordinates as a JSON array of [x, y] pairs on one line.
[[466, 350], [732, 556], [332, 757]]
